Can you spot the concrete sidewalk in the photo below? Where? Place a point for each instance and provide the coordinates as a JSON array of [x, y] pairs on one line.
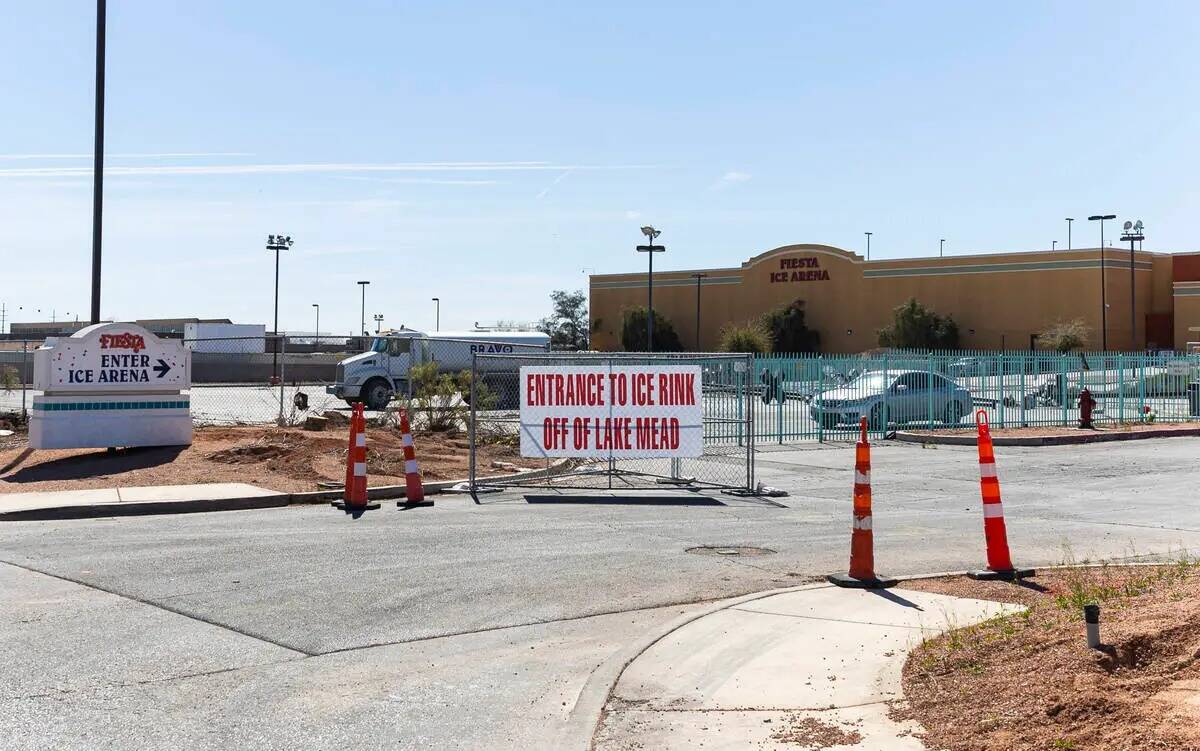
[[154, 499], [750, 675]]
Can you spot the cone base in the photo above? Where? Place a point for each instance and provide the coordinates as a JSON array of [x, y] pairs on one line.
[[1010, 575], [876, 582], [368, 506], [414, 504]]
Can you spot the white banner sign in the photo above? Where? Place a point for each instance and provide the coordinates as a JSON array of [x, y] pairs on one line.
[[619, 412]]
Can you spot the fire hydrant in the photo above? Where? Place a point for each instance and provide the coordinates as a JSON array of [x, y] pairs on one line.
[[1086, 405]]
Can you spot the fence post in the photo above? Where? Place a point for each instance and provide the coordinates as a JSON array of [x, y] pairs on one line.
[[886, 390], [1062, 397], [24, 377], [471, 427], [1121, 387], [929, 391], [1024, 367], [750, 430], [1142, 385], [282, 347], [779, 409], [820, 399]]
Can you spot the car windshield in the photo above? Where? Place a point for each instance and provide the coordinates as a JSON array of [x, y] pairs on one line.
[[871, 382]]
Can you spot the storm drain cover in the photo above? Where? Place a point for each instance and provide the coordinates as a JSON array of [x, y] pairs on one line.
[[730, 550]]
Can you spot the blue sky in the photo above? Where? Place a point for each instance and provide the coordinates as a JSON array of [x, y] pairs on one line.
[[488, 153]]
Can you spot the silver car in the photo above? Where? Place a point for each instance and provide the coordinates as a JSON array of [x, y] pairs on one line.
[[909, 395]]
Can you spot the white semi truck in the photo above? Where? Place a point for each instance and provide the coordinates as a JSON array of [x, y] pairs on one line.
[[374, 377]]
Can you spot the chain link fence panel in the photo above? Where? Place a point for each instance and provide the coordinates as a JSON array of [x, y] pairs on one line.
[[727, 430]]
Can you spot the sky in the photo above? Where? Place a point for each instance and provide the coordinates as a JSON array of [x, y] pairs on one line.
[[489, 153]]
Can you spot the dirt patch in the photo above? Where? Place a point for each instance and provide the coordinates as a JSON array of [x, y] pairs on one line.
[[811, 733], [284, 459], [1029, 681], [1057, 431]]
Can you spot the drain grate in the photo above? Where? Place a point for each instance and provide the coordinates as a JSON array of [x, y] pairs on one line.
[[745, 551]]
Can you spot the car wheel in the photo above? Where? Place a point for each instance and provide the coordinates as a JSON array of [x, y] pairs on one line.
[[376, 394], [954, 413]]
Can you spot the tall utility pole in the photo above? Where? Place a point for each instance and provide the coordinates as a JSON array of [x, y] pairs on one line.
[[1103, 287], [437, 313], [1053, 245], [650, 250], [277, 243], [868, 234], [942, 248], [1069, 220], [698, 277], [317, 339], [362, 316], [1132, 233], [98, 162], [3, 312]]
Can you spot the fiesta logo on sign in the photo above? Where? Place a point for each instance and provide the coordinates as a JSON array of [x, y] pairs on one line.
[[491, 348], [134, 342]]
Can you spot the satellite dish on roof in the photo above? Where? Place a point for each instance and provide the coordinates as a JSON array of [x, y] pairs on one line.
[[1128, 225], [1138, 225]]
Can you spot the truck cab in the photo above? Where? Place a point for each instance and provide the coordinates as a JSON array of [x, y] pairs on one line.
[[374, 377]]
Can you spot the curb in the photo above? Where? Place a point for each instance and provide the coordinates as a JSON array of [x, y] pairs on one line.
[[1048, 440], [597, 690], [247, 503]]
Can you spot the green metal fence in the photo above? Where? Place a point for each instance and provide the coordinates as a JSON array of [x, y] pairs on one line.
[[810, 397]]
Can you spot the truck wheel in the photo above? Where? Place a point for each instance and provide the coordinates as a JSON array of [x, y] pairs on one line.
[[376, 393]]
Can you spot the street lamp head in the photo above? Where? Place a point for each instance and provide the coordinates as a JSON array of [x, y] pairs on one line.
[[364, 282], [436, 299], [650, 232], [1095, 217]]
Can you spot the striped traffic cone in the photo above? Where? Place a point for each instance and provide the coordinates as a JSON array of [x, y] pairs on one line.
[[354, 495], [999, 562], [414, 491], [862, 542]]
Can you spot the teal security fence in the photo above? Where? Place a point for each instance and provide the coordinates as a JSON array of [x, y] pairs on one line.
[[812, 397]]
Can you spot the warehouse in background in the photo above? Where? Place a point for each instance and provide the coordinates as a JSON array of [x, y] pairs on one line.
[[999, 300]]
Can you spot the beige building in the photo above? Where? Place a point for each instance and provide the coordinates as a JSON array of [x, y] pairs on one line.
[[998, 300]]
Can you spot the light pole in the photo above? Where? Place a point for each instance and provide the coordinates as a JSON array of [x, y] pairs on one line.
[[1103, 291], [868, 234], [942, 248], [318, 337], [362, 316], [1053, 245], [650, 250], [1133, 232], [698, 277], [98, 162], [1069, 220], [437, 313], [277, 243], [378, 322]]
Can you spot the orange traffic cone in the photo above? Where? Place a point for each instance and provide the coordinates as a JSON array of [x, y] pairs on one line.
[[999, 562], [862, 542], [354, 495], [414, 491]]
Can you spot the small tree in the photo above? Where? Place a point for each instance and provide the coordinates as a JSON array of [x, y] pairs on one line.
[[788, 331], [1065, 336], [439, 397], [750, 337], [567, 325], [916, 327], [633, 332]]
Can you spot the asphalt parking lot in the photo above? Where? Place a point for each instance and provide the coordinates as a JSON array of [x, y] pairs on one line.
[[477, 626]]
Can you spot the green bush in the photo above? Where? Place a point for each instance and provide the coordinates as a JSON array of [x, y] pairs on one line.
[[750, 337], [916, 327], [633, 332], [441, 398], [788, 330], [1065, 336]]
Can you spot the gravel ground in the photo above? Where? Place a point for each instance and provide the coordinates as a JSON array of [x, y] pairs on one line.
[[1029, 681], [283, 459]]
